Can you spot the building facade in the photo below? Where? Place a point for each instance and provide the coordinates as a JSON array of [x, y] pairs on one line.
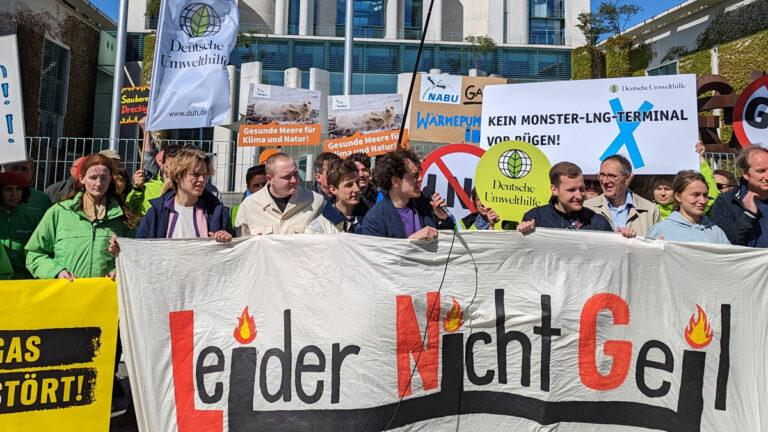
[[534, 38]]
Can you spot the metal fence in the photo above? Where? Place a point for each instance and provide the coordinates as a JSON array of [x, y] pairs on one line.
[[52, 159]]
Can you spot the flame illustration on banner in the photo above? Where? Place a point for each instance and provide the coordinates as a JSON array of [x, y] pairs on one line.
[[245, 331], [698, 334], [454, 318]]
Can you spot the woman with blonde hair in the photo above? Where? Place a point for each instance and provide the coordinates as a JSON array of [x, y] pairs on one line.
[[688, 223], [72, 239], [186, 209]]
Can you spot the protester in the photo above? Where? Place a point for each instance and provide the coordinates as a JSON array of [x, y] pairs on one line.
[[689, 223], [283, 206], [623, 208], [339, 213], [59, 190], [566, 208], [592, 188], [38, 202], [404, 212], [724, 181], [742, 212], [322, 162], [484, 218], [72, 239], [255, 179], [663, 195], [186, 209], [17, 221], [145, 188], [6, 270], [368, 191]]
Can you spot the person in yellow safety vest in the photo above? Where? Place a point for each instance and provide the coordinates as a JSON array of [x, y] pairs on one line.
[[483, 219]]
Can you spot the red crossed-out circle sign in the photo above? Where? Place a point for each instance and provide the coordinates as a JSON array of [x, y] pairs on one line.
[[450, 171], [750, 115]]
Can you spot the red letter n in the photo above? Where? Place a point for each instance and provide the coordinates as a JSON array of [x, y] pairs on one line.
[[409, 343]]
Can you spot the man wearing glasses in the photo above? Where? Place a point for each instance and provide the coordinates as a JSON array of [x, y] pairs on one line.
[[626, 211]]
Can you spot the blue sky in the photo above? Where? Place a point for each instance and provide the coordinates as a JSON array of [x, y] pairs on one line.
[[650, 8]]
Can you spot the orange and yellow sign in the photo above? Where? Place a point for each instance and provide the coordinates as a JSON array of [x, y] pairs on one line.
[[278, 135], [372, 144]]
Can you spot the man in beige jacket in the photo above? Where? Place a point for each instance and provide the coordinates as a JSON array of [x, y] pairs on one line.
[[282, 207], [625, 210]]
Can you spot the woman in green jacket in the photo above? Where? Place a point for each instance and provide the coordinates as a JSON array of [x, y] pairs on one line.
[[72, 239], [16, 220]]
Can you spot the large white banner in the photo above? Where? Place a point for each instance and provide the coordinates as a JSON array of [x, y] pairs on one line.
[[190, 85], [560, 330], [12, 142], [653, 121]]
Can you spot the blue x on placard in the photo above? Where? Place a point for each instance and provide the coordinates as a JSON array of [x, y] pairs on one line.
[[625, 136]]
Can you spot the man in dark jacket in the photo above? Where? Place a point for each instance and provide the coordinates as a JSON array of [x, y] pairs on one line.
[[404, 212], [566, 208], [743, 212]]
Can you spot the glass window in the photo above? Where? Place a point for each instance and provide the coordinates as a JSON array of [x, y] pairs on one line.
[[515, 64], [272, 77], [273, 55], [667, 69], [293, 17], [547, 9], [412, 18], [452, 61], [546, 32], [409, 57], [307, 56], [336, 58], [380, 58], [368, 18], [53, 83], [380, 83]]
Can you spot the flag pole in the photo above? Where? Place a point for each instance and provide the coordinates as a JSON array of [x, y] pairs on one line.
[[350, 4], [117, 84]]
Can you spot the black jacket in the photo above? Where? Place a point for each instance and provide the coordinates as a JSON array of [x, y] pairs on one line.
[[547, 216], [741, 226]]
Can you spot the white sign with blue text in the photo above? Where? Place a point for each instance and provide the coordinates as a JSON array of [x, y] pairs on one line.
[[12, 143], [653, 121], [440, 89]]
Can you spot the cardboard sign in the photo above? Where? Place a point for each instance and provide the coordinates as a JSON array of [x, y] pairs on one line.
[[653, 121], [133, 104], [357, 122], [750, 114], [560, 330], [513, 177], [450, 171], [281, 116], [12, 139], [57, 354], [448, 108]]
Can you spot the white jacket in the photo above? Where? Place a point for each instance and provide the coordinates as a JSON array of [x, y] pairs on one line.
[[258, 214]]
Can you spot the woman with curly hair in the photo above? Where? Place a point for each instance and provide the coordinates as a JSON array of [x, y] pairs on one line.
[[72, 239]]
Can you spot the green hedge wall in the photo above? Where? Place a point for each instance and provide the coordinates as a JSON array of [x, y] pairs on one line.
[[617, 62], [738, 59], [149, 57], [587, 62], [639, 58], [698, 63]]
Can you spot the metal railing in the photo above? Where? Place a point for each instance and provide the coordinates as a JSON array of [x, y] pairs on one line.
[[724, 162]]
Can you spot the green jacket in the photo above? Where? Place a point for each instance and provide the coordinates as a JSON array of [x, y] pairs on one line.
[[709, 176], [66, 240], [6, 270], [138, 199], [37, 203], [16, 227]]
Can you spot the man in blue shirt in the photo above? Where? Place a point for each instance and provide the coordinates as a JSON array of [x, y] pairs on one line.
[[566, 208]]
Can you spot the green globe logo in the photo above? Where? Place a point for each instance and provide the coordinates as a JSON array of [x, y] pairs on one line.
[[199, 19], [515, 164], [613, 88]]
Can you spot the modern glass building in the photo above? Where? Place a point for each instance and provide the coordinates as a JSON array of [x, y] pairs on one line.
[[534, 38]]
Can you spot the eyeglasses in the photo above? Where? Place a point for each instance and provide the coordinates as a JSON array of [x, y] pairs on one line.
[[609, 177], [721, 186]]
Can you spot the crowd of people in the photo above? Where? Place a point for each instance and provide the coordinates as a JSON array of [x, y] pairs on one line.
[[171, 197]]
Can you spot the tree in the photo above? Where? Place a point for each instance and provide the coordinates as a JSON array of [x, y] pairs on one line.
[[479, 46], [592, 26], [615, 14]]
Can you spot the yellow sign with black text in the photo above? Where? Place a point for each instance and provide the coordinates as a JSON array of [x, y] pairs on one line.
[[57, 354]]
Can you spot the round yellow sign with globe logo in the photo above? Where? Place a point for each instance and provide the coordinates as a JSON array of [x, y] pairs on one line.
[[512, 177]]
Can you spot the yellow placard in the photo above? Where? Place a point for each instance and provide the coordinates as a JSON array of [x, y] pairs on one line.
[[57, 354]]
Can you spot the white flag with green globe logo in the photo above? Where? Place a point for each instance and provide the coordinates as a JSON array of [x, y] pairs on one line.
[[189, 87]]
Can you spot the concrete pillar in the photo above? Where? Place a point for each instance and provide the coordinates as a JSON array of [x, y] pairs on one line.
[[250, 73], [320, 80], [403, 85], [281, 17], [391, 19], [477, 73], [496, 20], [306, 17], [435, 30], [222, 137], [517, 21], [435, 71], [292, 77]]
